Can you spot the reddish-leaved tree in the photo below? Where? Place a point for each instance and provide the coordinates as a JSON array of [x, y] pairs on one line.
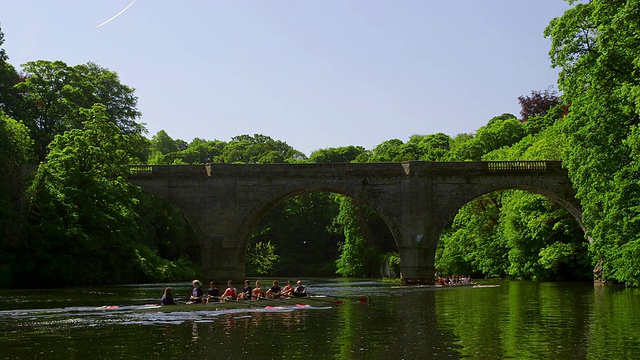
[[537, 104]]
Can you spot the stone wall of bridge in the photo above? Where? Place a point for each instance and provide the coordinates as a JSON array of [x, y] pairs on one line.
[[224, 202]]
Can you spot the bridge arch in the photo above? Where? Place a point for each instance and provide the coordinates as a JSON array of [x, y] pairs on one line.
[[260, 209], [552, 192], [166, 196]]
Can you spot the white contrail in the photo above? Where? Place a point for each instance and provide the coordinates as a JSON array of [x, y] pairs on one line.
[[116, 15]]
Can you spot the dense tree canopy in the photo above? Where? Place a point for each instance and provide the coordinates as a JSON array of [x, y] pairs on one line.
[[334, 155], [8, 78], [16, 150], [83, 207], [54, 95], [596, 45], [259, 149]]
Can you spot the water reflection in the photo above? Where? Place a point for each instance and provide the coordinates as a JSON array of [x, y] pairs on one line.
[[542, 320], [514, 320]]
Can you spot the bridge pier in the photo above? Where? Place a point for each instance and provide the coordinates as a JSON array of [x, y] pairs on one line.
[[220, 264], [417, 265], [417, 250]]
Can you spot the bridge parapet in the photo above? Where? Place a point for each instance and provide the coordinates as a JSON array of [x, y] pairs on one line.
[[288, 171], [516, 165], [333, 170], [167, 171], [424, 168]]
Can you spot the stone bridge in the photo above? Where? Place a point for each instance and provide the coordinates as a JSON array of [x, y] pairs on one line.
[[416, 199]]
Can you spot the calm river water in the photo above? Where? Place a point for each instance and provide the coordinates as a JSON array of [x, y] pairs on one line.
[[516, 320]]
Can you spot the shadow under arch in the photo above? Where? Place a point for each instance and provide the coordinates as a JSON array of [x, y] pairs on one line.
[[256, 213], [166, 197]]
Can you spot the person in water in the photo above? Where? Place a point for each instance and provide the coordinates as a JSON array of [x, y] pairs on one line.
[[229, 293], [167, 298], [299, 290], [213, 294], [196, 293]]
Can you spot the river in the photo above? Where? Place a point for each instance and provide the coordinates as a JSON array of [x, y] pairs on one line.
[[515, 320]]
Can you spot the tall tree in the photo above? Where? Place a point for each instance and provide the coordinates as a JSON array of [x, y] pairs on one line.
[[516, 233], [161, 144], [596, 45], [544, 241], [16, 150], [54, 94], [366, 239], [8, 78], [83, 223], [3, 54]]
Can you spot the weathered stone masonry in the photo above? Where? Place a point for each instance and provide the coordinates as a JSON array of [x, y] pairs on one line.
[[416, 199]]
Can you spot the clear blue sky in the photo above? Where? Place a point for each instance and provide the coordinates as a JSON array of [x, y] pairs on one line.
[[315, 74]]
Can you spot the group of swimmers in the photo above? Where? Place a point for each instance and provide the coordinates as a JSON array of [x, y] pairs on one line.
[[212, 294]]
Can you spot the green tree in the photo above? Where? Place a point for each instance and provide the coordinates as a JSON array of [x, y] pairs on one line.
[[3, 54], [8, 78], [259, 149], [472, 244], [54, 95], [163, 149], [299, 230], [16, 146], [368, 243], [393, 150], [501, 131], [82, 218], [433, 147], [353, 260], [200, 151], [544, 241], [334, 155], [596, 45], [182, 145], [515, 233], [16, 150], [261, 259], [162, 143]]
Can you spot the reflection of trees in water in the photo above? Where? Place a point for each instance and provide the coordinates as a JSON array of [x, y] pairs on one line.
[[537, 320]]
